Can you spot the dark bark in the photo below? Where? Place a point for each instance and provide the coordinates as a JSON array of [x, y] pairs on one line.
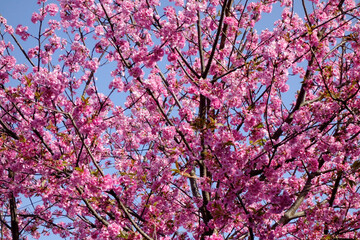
[[15, 231]]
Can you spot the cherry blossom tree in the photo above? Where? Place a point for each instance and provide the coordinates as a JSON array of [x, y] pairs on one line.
[[194, 137]]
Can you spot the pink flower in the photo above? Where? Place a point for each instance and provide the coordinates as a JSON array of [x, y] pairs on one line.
[[215, 237], [21, 31], [172, 57], [169, 132], [52, 9], [114, 229], [8, 62], [33, 52], [117, 83], [99, 30], [215, 103], [136, 72], [92, 65], [36, 17]]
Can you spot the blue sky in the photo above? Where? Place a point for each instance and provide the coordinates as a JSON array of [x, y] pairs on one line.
[[17, 11]]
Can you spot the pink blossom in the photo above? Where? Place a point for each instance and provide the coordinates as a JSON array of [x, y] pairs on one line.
[[114, 229], [52, 9], [172, 57], [136, 72], [117, 83], [208, 130], [22, 31], [36, 17], [215, 237], [92, 64], [169, 132]]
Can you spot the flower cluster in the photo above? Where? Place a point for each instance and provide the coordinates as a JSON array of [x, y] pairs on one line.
[[146, 119]]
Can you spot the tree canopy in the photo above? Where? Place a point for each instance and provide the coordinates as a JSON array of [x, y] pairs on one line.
[[149, 119]]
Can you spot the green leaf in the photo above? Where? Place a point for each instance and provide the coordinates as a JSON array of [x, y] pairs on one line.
[[38, 95], [351, 182], [327, 237], [95, 173], [356, 165], [229, 143], [28, 81], [79, 169], [85, 100], [123, 235], [43, 183]]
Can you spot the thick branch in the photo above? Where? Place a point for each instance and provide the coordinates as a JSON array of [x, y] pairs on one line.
[[86, 146], [201, 52], [291, 212], [8, 131], [15, 231], [186, 63], [203, 169], [251, 232], [335, 188], [22, 50], [193, 185], [332, 197], [299, 101], [128, 216], [226, 26], [214, 47], [92, 210]]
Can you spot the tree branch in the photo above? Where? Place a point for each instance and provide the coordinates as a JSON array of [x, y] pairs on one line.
[[291, 212], [15, 230], [122, 206], [214, 47]]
